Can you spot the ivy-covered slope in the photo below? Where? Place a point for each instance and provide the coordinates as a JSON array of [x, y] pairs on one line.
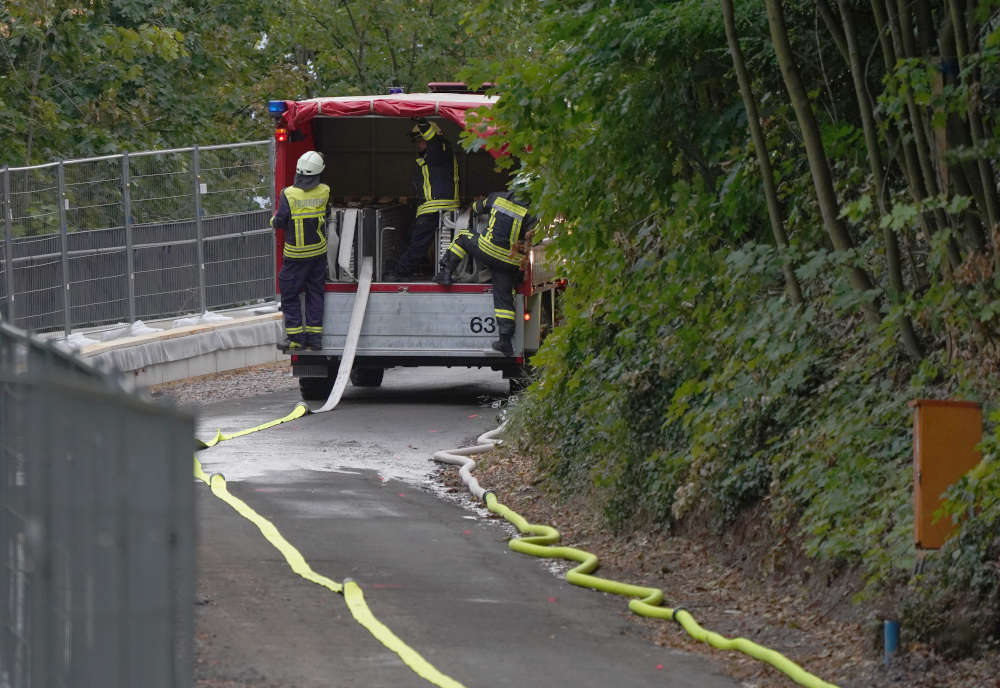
[[719, 352]]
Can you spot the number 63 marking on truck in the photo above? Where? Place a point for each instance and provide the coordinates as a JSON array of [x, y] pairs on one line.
[[478, 325]]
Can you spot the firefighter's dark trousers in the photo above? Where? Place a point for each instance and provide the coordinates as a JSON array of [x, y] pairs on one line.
[[421, 235], [505, 278], [297, 275]]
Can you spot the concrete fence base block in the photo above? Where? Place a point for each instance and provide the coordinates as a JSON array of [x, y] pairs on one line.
[[209, 346]]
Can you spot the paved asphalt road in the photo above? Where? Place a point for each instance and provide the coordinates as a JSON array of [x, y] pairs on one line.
[[349, 489]]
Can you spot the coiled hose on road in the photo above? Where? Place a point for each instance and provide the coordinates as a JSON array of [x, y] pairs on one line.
[[542, 542]]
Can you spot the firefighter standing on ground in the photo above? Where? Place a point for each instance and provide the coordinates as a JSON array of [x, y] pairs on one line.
[[501, 247], [302, 212], [436, 183]]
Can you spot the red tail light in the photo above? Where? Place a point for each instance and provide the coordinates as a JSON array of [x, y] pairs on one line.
[[280, 134]]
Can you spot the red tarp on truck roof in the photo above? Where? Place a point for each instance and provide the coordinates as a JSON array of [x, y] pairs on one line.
[[452, 106]]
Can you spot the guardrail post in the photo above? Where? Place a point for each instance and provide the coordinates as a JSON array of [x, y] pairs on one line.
[[129, 257], [8, 220], [64, 248], [196, 169]]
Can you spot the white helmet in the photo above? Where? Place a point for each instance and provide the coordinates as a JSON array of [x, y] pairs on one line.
[[310, 163]]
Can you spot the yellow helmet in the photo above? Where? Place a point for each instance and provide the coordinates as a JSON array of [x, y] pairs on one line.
[[424, 130]]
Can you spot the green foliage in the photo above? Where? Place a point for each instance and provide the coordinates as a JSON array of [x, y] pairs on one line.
[[361, 46], [683, 385], [81, 79]]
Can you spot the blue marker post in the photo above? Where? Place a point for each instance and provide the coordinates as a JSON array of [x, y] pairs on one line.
[[890, 639]]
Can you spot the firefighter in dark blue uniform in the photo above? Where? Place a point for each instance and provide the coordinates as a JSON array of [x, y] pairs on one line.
[[436, 184], [501, 247], [302, 212]]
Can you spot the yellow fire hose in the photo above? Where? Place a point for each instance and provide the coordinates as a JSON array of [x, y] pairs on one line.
[[541, 542], [349, 589]]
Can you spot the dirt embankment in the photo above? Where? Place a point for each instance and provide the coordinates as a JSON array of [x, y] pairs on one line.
[[737, 587]]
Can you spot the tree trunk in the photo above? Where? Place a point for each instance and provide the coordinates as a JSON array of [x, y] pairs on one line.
[[894, 266], [819, 167], [923, 177], [774, 213], [836, 33], [986, 177]]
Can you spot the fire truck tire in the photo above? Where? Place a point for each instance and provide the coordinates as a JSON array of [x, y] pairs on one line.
[[520, 379], [316, 388], [367, 377], [516, 385]]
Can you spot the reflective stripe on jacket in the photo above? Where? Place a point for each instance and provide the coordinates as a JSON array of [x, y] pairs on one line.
[[507, 221], [437, 176], [302, 214]]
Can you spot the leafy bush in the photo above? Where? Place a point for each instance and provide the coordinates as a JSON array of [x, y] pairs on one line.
[[686, 381]]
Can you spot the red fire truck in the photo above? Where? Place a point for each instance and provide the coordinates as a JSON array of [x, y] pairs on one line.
[[370, 161]]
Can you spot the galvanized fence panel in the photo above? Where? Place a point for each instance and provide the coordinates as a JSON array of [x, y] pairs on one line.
[[37, 266], [239, 258], [96, 254], [137, 236], [237, 184], [164, 209], [6, 233], [96, 526]]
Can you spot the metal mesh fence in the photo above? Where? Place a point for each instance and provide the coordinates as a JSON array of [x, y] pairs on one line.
[[37, 271], [142, 235], [235, 180], [96, 526], [96, 255], [239, 257], [161, 185]]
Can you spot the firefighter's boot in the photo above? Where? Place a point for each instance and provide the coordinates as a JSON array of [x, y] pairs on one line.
[[315, 342], [444, 276], [504, 345], [289, 344]]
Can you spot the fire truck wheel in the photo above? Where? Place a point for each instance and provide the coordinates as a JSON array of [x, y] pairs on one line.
[[519, 377], [367, 377], [316, 388]]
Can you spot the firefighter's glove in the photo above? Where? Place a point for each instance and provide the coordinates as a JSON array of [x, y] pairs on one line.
[[520, 251]]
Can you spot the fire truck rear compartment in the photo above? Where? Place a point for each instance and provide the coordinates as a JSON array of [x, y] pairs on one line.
[[370, 164]]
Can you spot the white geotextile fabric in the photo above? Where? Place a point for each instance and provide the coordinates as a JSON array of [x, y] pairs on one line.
[[206, 317], [126, 330], [189, 346]]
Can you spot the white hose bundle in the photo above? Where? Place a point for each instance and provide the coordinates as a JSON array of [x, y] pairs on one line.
[[460, 457], [353, 333]]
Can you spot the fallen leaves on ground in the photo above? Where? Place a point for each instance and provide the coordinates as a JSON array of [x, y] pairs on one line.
[[826, 634]]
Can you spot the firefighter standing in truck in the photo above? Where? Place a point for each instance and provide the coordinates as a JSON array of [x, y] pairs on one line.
[[501, 247], [436, 184], [302, 211]]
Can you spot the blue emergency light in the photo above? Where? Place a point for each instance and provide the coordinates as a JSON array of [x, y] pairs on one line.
[[276, 107]]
